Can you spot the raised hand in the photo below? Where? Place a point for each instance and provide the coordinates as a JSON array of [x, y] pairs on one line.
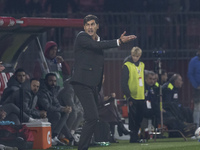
[[125, 39], [2, 114], [43, 114], [59, 59]]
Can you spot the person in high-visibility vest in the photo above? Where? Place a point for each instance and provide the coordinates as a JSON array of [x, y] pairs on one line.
[[133, 89]]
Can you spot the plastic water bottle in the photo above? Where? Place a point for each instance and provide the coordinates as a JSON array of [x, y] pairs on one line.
[[6, 122]]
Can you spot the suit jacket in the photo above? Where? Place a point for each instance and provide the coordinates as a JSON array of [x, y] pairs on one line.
[[89, 59]]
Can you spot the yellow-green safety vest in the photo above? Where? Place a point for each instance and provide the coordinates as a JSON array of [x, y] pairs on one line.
[[136, 73]]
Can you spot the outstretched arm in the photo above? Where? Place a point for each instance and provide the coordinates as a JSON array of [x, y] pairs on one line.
[[125, 39]]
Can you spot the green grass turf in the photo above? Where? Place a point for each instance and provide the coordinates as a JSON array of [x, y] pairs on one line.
[[159, 144]]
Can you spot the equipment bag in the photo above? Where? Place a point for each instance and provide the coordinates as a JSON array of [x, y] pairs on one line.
[[16, 136]]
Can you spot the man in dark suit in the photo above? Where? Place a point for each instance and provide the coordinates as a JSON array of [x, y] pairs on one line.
[[88, 72]]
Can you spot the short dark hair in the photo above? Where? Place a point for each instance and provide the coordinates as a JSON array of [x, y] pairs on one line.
[[32, 79], [90, 17], [48, 75], [19, 70]]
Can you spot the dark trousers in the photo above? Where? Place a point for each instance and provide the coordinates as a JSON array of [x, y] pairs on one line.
[[58, 122], [13, 113], [88, 97], [182, 113], [136, 114]]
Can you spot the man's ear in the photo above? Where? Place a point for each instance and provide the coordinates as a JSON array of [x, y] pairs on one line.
[[83, 26]]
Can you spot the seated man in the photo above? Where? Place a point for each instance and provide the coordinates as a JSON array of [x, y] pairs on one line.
[[14, 84], [171, 100], [56, 114], [67, 97], [30, 100], [9, 111], [109, 113], [152, 109]]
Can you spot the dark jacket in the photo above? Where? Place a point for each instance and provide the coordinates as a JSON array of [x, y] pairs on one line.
[[171, 102], [29, 102], [170, 93], [89, 59], [48, 99], [107, 109], [67, 97], [151, 96], [12, 86]]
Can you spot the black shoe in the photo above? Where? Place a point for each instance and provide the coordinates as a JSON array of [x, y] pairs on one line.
[[125, 131], [112, 140], [134, 137], [121, 129], [132, 141], [138, 141]]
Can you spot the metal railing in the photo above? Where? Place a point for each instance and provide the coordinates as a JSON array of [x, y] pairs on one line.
[[155, 31]]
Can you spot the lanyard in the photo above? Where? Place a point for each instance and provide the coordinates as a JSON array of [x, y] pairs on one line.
[[138, 70]]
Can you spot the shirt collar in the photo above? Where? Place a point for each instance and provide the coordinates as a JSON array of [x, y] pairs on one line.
[[98, 38]]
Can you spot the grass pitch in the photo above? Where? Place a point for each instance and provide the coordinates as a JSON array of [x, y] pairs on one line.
[[159, 144]]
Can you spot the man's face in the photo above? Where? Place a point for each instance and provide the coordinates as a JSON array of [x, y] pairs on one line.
[[178, 82], [150, 80], [91, 28], [53, 52], [155, 78], [164, 77], [35, 86], [21, 77], [51, 81], [135, 57]]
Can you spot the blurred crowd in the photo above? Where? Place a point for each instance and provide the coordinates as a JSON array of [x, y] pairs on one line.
[[35, 7]]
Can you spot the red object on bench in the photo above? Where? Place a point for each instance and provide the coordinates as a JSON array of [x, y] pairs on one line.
[[124, 111], [4, 77]]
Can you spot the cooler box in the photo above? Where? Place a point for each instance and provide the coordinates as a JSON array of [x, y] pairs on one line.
[[42, 134]]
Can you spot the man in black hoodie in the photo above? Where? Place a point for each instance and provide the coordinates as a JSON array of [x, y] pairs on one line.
[[14, 84], [56, 114]]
